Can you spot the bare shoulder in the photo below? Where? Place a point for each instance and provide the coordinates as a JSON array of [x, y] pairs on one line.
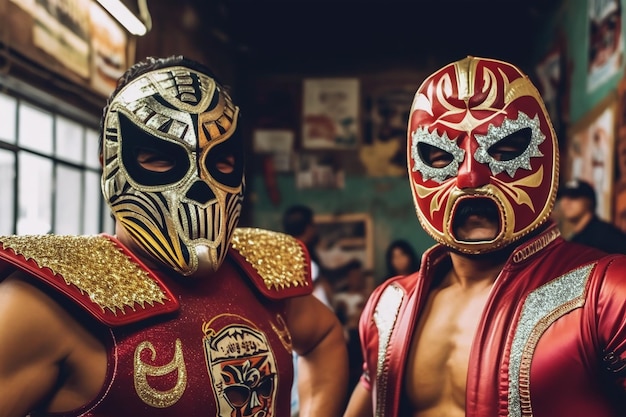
[[28, 314], [308, 320], [36, 339]]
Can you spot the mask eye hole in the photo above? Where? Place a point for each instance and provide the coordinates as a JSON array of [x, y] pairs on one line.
[[511, 146], [154, 160], [225, 163], [433, 156]]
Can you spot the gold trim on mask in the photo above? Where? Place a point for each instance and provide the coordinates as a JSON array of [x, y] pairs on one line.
[[151, 213], [440, 90]]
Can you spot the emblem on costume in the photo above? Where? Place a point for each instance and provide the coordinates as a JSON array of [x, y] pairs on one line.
[[242, 368], [142, 370]]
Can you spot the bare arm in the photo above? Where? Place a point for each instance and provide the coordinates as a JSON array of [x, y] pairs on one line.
[[317, 337], [29, 353], [360, 404], [47, 359]]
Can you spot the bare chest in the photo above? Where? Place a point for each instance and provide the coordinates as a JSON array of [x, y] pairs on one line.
[[437, 365]]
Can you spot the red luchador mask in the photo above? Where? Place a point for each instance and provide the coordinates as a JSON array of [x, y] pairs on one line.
[[479, 135]]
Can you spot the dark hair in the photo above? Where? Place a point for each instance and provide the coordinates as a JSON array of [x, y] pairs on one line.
[[296, 219], [142, 67], [405, 247]]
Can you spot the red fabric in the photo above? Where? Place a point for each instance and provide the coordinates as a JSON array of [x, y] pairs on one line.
[[230, 333], [458, 106], [568, 375], [105, 316], [226, 301]]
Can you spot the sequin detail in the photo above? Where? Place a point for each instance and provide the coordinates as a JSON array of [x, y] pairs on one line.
[[277, 257], [385, 316], [422, 135], [152, 396], [94, 265], [541, 308], [497, 133]]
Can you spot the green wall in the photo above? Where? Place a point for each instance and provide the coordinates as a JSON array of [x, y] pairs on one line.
[[387, 200], [571, 19]]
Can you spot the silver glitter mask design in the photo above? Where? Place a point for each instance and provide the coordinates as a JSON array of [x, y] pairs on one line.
[[497, 133], [422, 135], [183, 217]]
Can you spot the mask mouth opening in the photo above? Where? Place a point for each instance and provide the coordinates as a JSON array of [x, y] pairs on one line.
[[476, 220]]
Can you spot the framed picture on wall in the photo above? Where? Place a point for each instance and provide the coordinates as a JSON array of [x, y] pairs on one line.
[[589, 153], [620, 151], [553, 75], [343, 239], [606, 46], [277, 144], [387, 107], [319, 170], [330, 113], [108, 50]]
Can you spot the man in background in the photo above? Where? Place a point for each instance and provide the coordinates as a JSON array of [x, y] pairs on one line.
[[298, 221], [578, 204]]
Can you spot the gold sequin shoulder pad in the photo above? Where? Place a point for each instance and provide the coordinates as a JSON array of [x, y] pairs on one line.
[[277, 263], [95, 272]]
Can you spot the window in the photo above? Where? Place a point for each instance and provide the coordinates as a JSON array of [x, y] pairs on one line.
[[49, 171], [7, 191]]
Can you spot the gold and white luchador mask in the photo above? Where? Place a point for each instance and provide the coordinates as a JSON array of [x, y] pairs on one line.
[[173, 166]]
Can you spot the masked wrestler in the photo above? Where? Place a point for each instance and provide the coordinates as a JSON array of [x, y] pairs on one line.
[[504, 318], [180, 313]]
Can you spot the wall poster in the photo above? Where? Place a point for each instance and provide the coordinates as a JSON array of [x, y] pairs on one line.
[[605, 41], [589, 153], [344, 238], [330, 113], [387, 108]]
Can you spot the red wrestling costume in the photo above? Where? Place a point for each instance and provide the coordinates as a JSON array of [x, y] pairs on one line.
[[218, 347], [550, 343], [551, 340], [206, 335]]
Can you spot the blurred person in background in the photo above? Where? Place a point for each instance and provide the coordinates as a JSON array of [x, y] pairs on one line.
[[348, 304], [578, 204], [299, 221], [401, 259]]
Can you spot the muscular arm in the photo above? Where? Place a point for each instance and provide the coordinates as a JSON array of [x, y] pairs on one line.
[[318, 339], [30, 352], [360, 404], [47, 359]]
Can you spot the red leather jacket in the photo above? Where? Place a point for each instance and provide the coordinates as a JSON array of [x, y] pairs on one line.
[[551, 340], [195, 347]]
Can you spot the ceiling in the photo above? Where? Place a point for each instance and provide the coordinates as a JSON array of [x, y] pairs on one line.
[[359, 35]]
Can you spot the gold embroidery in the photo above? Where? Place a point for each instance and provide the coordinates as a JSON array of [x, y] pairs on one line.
[[277, 257], [149, 395], [535, 246], [94, 265], [516, 190]]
